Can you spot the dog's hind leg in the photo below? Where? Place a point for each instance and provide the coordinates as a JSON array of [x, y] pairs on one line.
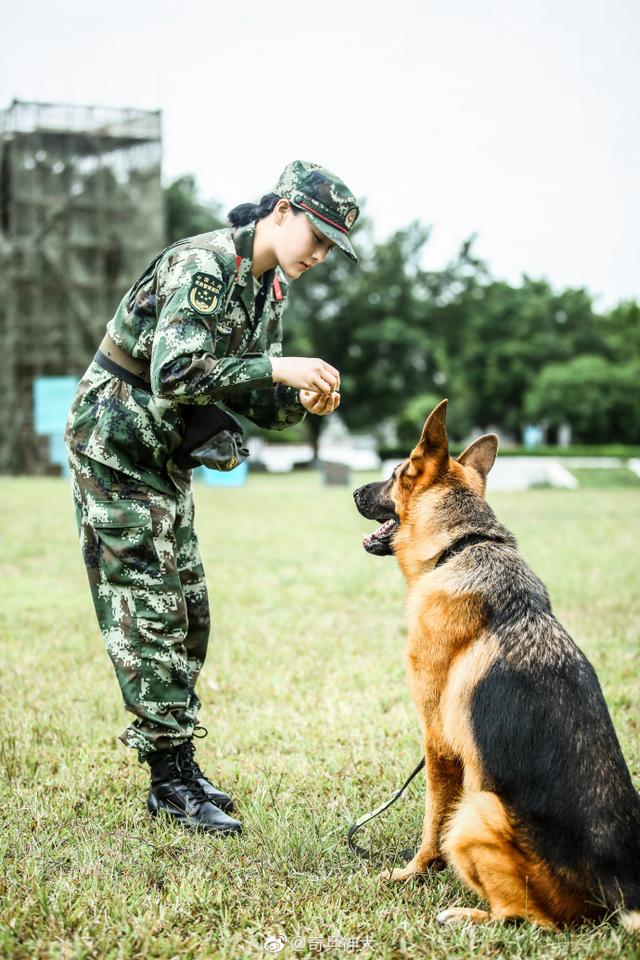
[[444, 785], [480, 844], [630, 920]]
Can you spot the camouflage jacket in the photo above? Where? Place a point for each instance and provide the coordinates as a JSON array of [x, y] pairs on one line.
[[192, 314]]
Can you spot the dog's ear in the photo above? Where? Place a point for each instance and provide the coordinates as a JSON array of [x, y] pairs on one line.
[[480, 454], [434, 443]]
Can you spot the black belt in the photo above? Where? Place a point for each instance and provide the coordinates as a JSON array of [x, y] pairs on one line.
[[114, 368], [121, 364]]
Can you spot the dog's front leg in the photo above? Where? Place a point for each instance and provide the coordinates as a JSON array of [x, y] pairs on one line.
[[444, 784]]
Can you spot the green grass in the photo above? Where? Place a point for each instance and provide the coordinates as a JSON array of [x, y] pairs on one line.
[[602, 478], [310, 724]]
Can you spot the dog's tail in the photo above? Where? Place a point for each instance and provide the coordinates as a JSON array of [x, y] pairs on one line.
[[630, 920]]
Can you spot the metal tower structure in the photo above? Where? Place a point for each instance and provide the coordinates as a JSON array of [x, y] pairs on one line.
[[81, 213]]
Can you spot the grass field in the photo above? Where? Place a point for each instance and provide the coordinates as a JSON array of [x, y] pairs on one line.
[[591, 478], [310, 725]]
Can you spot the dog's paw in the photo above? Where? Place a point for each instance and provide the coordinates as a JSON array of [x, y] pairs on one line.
[[462, 915], [399, 874]]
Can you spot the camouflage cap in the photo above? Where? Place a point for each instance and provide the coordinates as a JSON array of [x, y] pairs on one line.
[[326, 200]]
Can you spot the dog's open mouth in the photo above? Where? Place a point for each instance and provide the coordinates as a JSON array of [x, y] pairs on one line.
[[380, 540]]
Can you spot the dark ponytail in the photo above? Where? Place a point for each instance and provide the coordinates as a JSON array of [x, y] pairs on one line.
[[247, 212]]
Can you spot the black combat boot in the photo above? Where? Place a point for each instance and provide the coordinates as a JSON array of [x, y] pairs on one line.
[[191, 765], [176, 791]]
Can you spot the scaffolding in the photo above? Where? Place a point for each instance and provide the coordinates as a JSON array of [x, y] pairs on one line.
[[81, 214]]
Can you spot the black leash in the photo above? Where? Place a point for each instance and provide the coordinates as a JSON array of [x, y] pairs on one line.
[[353, 829]]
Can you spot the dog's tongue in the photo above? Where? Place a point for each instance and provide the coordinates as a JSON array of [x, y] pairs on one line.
[[380, 532]]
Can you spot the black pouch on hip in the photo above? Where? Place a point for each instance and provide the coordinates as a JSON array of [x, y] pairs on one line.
[[212, 438]]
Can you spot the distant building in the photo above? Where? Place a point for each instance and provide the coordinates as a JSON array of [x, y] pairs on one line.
[[81, 214]]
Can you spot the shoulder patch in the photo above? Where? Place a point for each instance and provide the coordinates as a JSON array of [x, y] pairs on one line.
[[204, 293]]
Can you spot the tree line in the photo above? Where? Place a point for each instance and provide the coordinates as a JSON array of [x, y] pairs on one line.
[[403, 337]]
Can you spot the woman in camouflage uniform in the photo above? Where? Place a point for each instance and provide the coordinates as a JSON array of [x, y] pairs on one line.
[[202, 324]]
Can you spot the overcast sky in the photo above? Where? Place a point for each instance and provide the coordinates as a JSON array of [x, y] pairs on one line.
[[515, 120]]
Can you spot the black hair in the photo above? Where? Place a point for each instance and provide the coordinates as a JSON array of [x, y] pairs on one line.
[[248, 212]]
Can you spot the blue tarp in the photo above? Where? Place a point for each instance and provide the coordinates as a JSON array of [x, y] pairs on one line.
[[223, 478], [52, 398]]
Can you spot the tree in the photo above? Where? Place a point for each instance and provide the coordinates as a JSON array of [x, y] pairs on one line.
[[187, 214], [500, 337], [621, 332], [600, 399]]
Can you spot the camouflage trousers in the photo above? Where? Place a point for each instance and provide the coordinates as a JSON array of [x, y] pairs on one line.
[[150, 597]]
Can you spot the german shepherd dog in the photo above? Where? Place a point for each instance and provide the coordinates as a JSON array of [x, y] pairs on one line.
[[528, 795]]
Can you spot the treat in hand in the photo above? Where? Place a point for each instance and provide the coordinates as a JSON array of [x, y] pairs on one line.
[[319, 403]]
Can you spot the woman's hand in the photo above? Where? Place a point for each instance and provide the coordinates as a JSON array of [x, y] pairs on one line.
[[303, 373], [319, 403]]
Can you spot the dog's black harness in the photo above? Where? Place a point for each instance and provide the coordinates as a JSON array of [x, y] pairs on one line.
[[470, 539]]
